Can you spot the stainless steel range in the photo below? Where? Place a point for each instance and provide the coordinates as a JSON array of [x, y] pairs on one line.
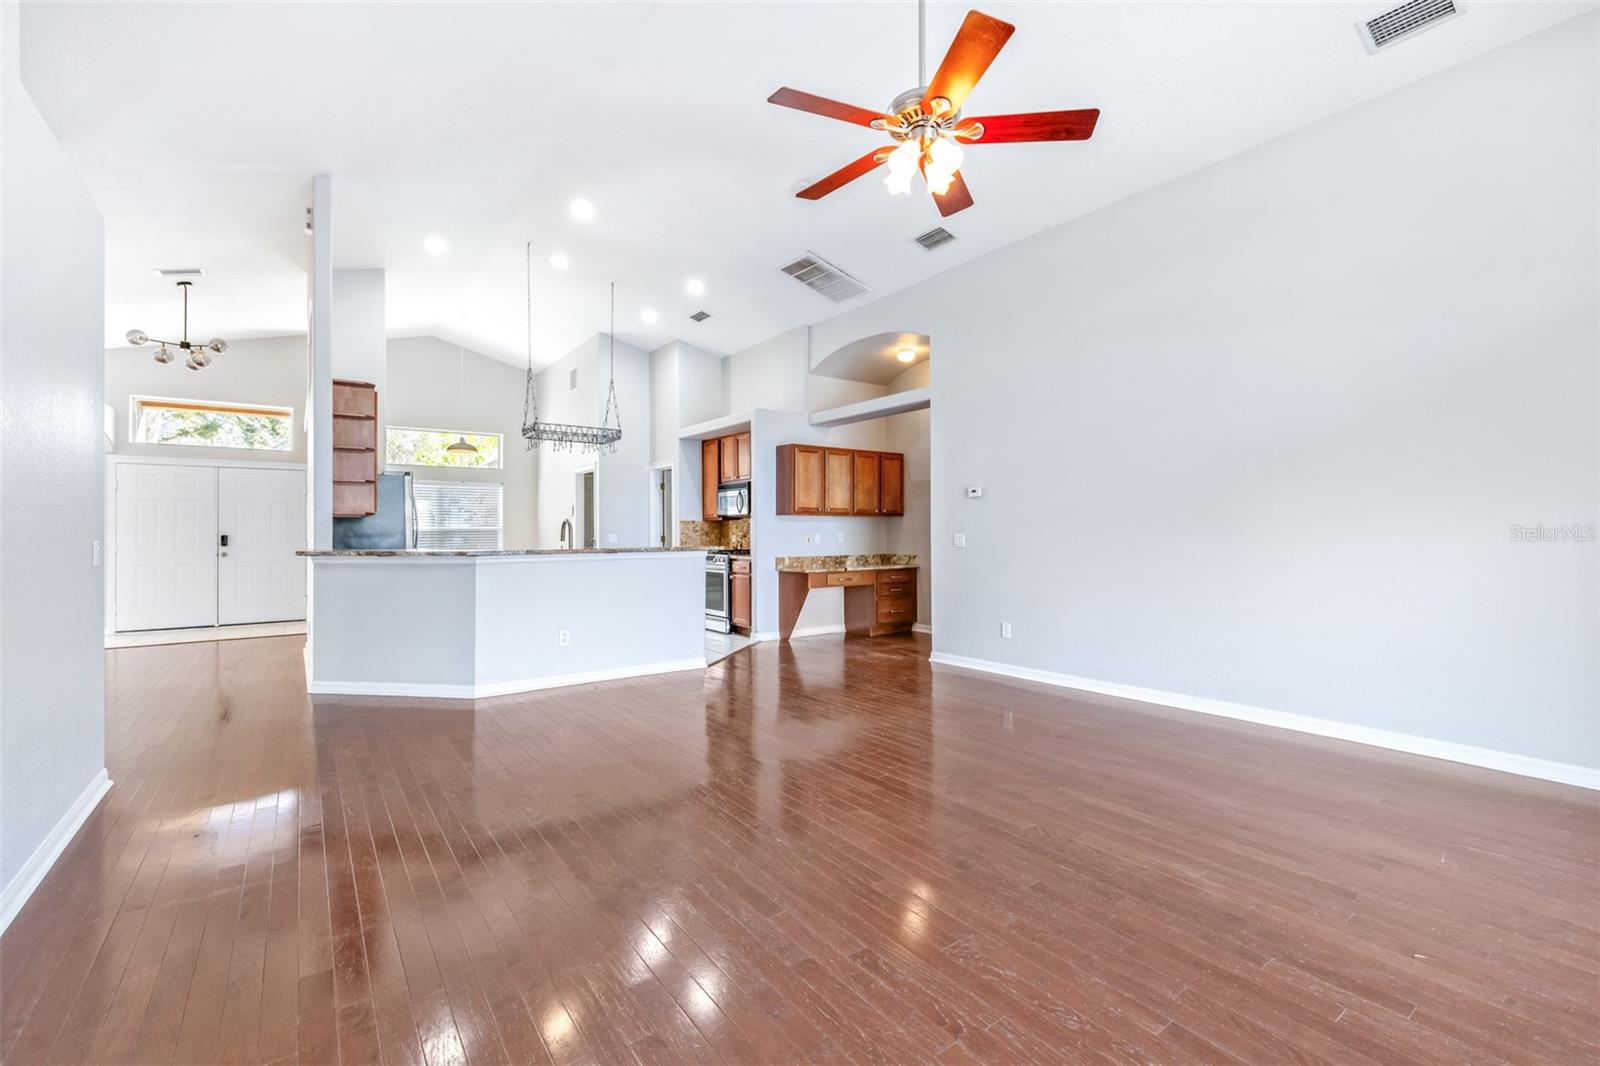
[[717, 600]]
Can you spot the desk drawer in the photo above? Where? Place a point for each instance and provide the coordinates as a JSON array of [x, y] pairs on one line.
[[901, 608], [851, 579], [897, 585]]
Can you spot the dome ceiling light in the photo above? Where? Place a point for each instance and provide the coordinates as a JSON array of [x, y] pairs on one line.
[[199, 354]]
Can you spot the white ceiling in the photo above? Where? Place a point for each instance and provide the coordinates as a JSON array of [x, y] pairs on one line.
[[198, 127]]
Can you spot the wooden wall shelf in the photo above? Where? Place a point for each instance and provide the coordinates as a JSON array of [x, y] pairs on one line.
[[355, 449]]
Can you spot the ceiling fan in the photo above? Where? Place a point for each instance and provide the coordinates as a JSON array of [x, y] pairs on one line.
[[926, 122]]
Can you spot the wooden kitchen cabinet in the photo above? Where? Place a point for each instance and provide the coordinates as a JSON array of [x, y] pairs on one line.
[[891, 483], [728, 459], [745, 462], [355, 449], [838, 481], [739, 613], [710, 478], [865, 496], [800, 479]]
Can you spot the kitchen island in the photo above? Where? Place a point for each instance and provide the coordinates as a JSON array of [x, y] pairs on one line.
[[475, 623]]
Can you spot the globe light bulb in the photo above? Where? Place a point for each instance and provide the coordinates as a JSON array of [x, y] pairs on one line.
[[164, 355], [902, 165], [944, 159], [137, 336]]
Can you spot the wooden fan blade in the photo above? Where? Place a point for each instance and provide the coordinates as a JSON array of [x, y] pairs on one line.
[[821, 105], [845, 174], [977, 43], [956, 198], [1038, 126]]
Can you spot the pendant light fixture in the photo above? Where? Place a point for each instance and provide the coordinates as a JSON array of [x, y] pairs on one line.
[[462, 446], [199, 354], [599, 440]]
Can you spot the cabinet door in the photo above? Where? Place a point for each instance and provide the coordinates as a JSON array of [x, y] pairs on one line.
[[865, 496], [739, 595], [892, 483], [837, 481], [807, 480], [730, 458], [744, 457], [708, 479]]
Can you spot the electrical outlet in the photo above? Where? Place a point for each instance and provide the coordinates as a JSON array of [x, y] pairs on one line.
[[565, 637], [611, 538], [841, 538], [961, 540], [1005, 630]]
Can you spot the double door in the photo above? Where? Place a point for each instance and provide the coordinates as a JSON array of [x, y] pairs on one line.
[[208, 545]]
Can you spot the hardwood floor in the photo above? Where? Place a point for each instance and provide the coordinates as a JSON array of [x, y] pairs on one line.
[[824, 851]]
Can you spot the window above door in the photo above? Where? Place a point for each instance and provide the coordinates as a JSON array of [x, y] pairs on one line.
[[210, 424]]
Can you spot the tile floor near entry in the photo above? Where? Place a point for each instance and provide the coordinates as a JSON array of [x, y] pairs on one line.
[[822, 851]]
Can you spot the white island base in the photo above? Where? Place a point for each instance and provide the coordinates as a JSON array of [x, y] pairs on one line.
[[475, 624]]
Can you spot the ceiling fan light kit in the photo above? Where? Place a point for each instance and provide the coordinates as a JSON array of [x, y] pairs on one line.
[[926, 123], [199, 354]]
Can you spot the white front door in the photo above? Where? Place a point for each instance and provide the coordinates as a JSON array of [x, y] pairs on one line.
[[166, 546], [262, 516]]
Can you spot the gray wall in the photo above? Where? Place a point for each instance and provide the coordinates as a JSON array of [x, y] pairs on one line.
[[52, 684], [270, 370], [425, 391], [1260, 434]]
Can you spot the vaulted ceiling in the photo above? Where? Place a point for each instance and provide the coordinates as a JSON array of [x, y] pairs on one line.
[[198, 127]]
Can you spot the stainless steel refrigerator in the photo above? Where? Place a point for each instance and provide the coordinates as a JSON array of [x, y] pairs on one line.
[[393, 526]]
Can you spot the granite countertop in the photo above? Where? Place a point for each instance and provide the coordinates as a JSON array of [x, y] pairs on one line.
[[432, 553], [818, 564]]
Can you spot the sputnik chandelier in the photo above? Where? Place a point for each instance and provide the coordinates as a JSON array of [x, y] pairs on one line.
[[199, 354]]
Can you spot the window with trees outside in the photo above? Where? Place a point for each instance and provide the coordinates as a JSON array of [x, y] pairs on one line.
[[430, 447], [207, 424]]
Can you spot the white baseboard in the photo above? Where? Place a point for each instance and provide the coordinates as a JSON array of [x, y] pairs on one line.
[[921, 628], [1509, 762], [426, 690], [50, 848]]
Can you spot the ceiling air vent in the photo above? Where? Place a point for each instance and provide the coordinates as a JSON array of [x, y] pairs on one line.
[[936, 236], [819, 275], [179, 273], [700, 316], [1407, 20]]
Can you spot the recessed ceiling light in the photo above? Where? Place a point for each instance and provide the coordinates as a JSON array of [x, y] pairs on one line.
[[906, 355], [582, 210], [696, 287], [435, 245], [648, 315], [559, 261]]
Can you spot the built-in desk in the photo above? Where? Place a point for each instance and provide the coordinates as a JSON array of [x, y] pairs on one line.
[[880, 591]]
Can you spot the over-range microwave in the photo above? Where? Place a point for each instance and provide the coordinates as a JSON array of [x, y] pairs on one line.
[[733, 501]]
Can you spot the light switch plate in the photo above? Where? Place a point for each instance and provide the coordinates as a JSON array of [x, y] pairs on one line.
[[961, 540], [974, 492]]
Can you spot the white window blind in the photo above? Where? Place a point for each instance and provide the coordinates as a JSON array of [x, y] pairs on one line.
[[454, 514]]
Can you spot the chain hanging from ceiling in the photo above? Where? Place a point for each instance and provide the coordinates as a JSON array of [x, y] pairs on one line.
[[601, 439]]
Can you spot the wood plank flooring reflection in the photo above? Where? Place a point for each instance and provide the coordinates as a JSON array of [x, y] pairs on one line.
[[825, 851]]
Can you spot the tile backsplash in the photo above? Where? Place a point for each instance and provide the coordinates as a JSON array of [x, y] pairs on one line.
[[728, 533]]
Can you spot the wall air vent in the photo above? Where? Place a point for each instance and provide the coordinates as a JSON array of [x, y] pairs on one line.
[[936, 236], [700, 316], [819, 275], [1407, 20]]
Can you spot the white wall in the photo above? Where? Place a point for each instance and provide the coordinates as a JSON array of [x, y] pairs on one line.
[[433, 384], [911, 434], [771, 374], [1260, 435], [623, 484], [360, 345], [52, 684], [271, 370]]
